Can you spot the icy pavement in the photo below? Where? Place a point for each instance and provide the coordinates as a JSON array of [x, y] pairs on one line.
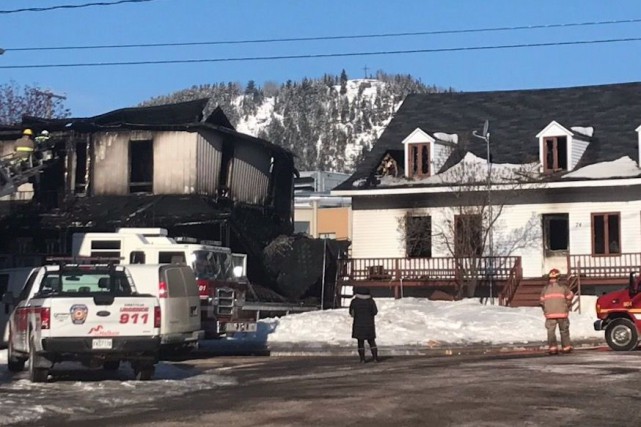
[[81, 393]]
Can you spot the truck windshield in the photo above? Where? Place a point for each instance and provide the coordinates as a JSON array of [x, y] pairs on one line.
[[213, 265], [85, 282]]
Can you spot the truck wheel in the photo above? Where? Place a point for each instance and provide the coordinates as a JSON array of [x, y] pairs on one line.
[[111, 365], [144, 372], [14, 363], [36, 375], [622, 335]]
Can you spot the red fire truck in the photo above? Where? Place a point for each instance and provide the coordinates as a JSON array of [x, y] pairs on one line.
[[619, 314]]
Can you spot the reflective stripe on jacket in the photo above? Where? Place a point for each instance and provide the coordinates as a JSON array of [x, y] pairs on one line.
[[556, 300]]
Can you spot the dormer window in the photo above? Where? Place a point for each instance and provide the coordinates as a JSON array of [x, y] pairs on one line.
[[419, 154], [419, 160], [555, 154]]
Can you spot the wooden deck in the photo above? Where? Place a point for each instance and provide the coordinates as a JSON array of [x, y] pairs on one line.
[[505, 274]]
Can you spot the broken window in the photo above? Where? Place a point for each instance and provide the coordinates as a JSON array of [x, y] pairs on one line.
[[388, 166], [468, 235], [555, 154], [418, 236], [419, 160], [141, 166], [80, 185], [606, 234], [556, 232]]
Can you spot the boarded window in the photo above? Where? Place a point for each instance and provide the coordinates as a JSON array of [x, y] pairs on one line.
[[468, 235], [141, 166], [606, 234], [418, 236], [555, 154], [556, 233], [419, 160]]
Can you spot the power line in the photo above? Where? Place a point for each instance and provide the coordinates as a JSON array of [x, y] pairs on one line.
[[325, 38], [70, 6], [321, 55]]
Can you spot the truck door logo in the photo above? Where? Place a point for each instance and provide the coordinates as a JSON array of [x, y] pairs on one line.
[[78, 313]]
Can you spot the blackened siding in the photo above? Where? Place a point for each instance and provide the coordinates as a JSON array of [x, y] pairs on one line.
[[250, 173]]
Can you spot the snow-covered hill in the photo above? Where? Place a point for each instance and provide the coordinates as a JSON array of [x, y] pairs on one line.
[[328, 122]]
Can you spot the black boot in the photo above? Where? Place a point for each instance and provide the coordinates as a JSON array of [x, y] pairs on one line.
[[375, 354], [361, 354]]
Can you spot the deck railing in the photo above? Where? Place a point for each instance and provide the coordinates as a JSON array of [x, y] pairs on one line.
[[439, 268], [604, 266], [512, 284]]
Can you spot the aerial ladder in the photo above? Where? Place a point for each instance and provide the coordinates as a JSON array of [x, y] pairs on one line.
[[15, 171]]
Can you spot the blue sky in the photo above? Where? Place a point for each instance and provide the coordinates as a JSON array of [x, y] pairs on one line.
[[93, 91]]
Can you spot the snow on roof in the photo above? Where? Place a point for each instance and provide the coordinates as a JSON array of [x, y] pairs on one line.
[[587, 131], [447, 137], [623, 167], [415, 321], [472, 169]]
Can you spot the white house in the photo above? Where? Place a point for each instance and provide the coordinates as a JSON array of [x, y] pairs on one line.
[[563, 184]]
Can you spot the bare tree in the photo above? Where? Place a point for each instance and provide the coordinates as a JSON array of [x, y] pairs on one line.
[[471, 222], [17, 101]]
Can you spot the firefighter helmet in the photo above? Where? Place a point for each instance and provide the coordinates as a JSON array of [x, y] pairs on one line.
[[554, 274], [27, 132]]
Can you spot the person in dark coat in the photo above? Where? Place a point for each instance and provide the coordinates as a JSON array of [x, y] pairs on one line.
[[363, 309]]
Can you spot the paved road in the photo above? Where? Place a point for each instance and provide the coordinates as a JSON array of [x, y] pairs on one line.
[[587, 388]]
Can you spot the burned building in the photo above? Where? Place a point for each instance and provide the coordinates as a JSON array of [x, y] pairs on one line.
[[166, 166]]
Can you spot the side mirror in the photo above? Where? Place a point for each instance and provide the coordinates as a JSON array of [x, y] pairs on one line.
[[8, 298], [632, 285]]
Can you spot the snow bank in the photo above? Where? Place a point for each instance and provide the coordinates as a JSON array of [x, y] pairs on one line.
[[473, 170], [587, 131], [623, 167], [447, 137], [413, 321]]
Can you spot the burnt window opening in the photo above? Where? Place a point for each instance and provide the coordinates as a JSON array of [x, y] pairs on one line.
[[226, 164], [606, 234], [418, 236], [556, 233], [419, 160], [555, 154], [80, 184], [141, 166], [468, 231]]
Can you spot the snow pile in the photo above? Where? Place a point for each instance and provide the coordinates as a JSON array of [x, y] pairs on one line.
[[587, 131], [473, 170], [623, 167], [447, 137], [413, 321]]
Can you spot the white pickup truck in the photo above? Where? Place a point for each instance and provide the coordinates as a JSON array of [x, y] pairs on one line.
[[86, 313]]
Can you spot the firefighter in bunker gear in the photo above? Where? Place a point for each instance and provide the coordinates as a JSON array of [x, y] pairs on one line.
[[555, 301], [24, 148]]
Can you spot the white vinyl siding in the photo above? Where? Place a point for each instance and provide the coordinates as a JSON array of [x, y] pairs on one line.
[[376, 232]]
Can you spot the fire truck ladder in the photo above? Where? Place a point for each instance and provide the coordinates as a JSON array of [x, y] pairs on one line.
[[14, 173]]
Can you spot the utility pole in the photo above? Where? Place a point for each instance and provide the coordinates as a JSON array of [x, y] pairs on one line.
[[49, 95], [486, 137], [365, 68]]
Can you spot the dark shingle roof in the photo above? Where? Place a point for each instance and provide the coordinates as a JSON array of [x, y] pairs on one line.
[[515, 118]]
